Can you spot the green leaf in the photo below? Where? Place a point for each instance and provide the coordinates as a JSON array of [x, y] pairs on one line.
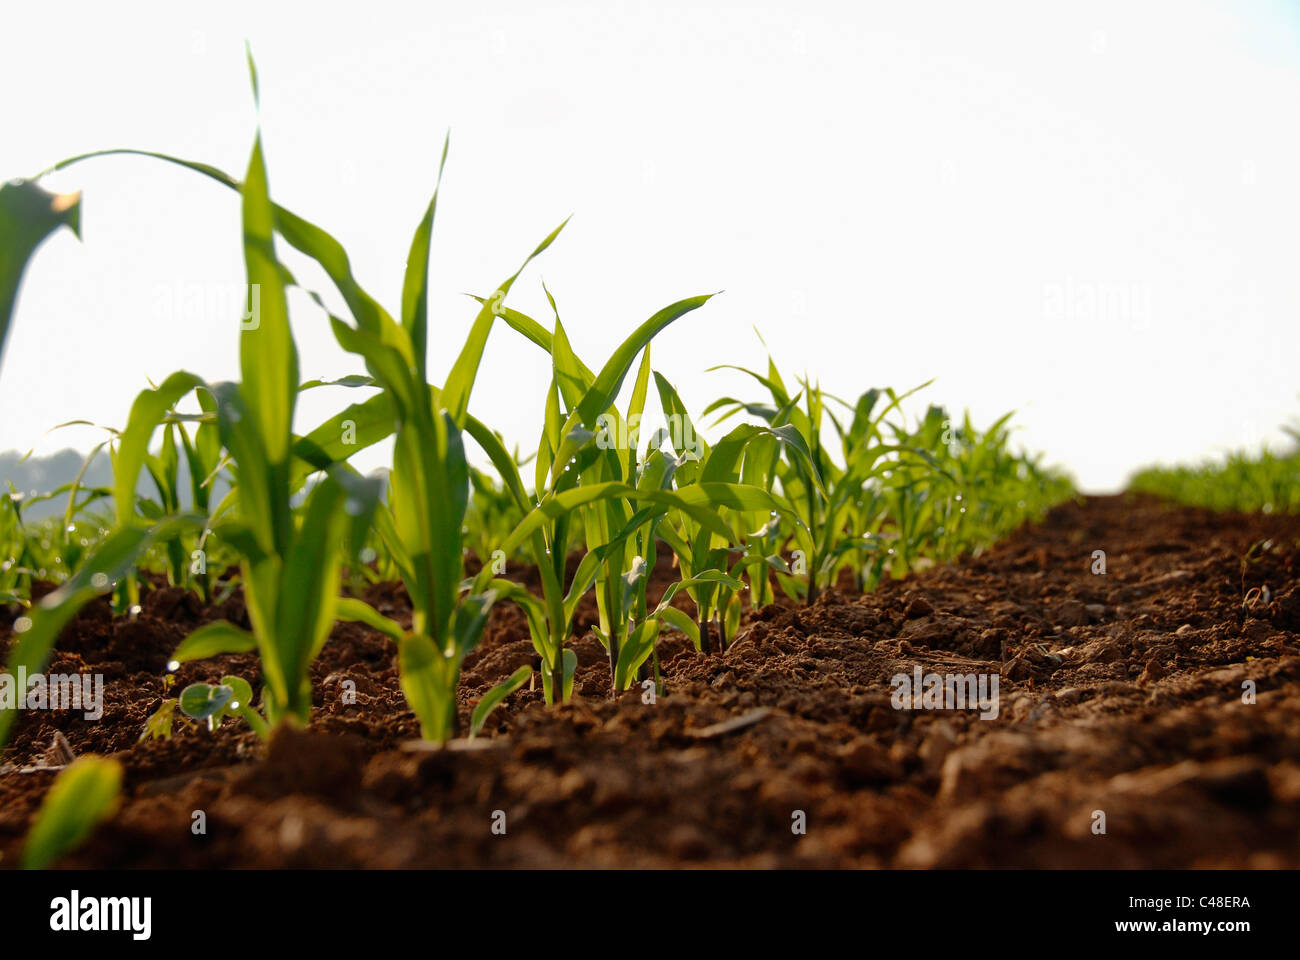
[[203, 701], [682, 621], [213, 640], [28, 214], [85, 794], [533, 609], [159, 724], [494, 697], [358, 611], [241, 691], [358, 426], [420, 673], [455, 392], [636, 650], [415, 286], [610, 379], [306, 593], [699, 502], [268, 359], [241, 705], [147, 412]]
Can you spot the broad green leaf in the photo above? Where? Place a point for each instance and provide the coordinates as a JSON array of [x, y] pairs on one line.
[[203, 701], [241, 704], [610, 379], [28, 214]]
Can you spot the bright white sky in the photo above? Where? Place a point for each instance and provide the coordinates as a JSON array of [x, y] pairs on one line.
[[1085, 212]]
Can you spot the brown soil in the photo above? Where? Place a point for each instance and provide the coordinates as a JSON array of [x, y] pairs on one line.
[[1120, 693]]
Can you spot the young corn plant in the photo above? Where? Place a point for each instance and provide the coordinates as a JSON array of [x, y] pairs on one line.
[[714, 569], [980, 493], [828, 497], [291, 564], [153, 408], [579, 476], [423, 525]]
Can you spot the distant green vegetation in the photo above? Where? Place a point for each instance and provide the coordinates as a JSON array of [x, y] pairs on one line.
[[1265, 481]]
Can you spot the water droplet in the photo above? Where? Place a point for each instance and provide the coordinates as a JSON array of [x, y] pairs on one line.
[[99, 581], [22, 624], [135, 610], [173, 666], [234, 704]]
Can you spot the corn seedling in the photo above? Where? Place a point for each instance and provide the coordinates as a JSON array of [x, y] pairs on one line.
[[578, 472], [743, 460], [291, 564], [828, 497], [423, 525]]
